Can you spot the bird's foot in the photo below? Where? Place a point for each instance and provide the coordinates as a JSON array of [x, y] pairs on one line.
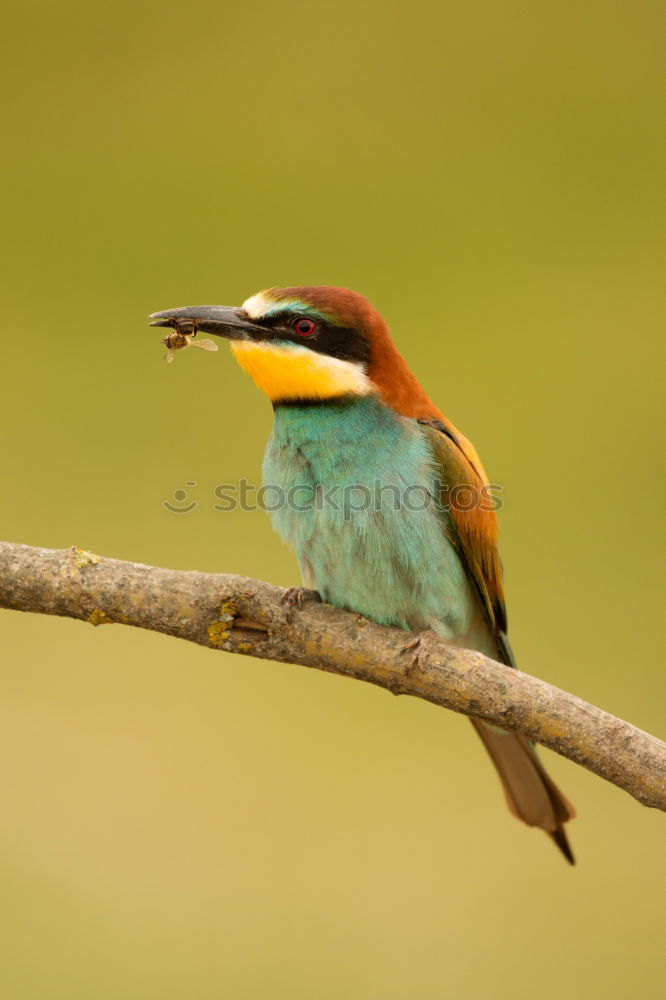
[[295, 597], [419, 648]]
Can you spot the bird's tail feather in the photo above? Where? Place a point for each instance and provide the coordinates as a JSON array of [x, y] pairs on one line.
[[530, 794]]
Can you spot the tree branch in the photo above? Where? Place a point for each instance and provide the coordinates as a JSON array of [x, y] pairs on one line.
[[241, 615]]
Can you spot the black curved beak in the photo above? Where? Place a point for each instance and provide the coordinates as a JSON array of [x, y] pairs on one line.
[[222, 321]]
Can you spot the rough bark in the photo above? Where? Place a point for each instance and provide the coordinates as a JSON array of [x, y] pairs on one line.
[[240, 615]]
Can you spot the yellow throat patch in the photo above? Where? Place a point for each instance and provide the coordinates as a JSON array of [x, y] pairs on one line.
[[295, 372]]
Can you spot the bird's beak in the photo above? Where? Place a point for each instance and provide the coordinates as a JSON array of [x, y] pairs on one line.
[[222, 321]]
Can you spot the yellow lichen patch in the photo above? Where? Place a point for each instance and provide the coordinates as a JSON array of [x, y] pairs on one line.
[[244, 647], [99, 617], [218, 633], [75, 560], [81, 558], [228, 611], [220, 630]]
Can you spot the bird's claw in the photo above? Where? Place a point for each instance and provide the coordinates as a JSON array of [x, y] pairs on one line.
[[295, 597], [418, 648]]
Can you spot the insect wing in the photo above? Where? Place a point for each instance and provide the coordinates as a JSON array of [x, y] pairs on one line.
[[205, 345]]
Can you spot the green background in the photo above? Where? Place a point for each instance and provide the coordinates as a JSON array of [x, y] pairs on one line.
[[176, 823]]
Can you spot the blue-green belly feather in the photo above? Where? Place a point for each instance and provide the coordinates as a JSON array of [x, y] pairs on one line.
[[391, 561]]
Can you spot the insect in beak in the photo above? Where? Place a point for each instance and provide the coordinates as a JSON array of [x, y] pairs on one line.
[[183, 336]]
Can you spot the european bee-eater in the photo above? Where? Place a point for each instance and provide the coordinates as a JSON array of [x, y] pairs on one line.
[[352, 424]]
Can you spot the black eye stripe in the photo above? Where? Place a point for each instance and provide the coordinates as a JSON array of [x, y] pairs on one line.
[[341, 342]]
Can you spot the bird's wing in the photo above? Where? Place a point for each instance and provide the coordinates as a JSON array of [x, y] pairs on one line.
[[472, 524], [472, 529]]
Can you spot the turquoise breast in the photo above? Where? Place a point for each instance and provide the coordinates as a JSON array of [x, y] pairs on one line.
[[355, 484]]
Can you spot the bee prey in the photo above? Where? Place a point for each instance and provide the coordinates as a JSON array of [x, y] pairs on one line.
[[178, 339]]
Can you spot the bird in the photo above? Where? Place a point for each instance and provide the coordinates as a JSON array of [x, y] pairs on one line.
[[355, 432]]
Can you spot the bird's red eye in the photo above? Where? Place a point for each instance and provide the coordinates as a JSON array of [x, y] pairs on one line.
[[304, 327]]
